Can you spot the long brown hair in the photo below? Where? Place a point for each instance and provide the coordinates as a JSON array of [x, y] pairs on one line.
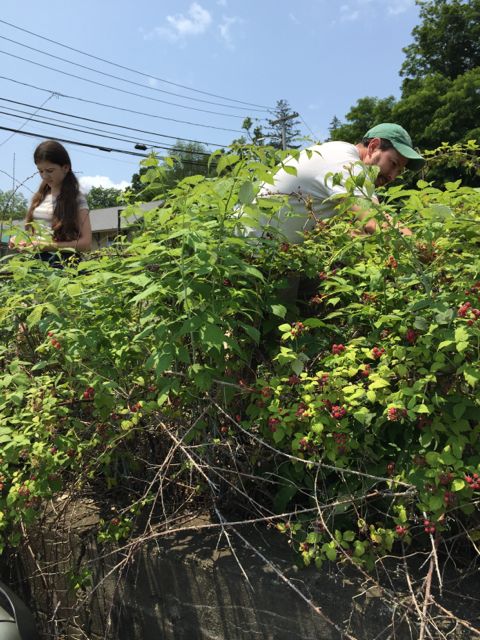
[[65, 225]]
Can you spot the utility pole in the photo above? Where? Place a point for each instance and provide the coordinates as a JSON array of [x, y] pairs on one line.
[[282, 121]]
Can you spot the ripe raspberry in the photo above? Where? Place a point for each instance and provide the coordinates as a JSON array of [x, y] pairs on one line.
[[337, 349], [337, 412], [411, 336]]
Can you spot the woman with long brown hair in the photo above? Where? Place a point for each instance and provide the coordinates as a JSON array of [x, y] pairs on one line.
[[58, 216]]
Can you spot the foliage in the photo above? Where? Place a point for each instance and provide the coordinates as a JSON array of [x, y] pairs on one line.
[[178, 369], [440, 92], [13, 205], [446, 42], [283, 132], [187, 159], [101, 198], [368, 112]]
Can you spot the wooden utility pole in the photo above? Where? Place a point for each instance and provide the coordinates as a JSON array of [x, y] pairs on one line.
[[282, 121]]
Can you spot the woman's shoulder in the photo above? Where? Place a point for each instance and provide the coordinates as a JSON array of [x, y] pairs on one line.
[[82, 201]]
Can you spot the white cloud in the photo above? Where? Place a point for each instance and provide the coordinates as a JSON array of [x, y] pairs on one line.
[[357, 9], [399, 6], [294, 18], [195, 22], [225, 28], [87, 182], [152, 82]]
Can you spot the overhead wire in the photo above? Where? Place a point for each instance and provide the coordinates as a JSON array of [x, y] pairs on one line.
[[109, 124], [137, 84], [125, 68], [91, 130], [93, 146], [125, 91], [27, 120], [110, 106], [76, 142]]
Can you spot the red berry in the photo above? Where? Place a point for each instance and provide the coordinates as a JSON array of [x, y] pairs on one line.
[[377, 352], [411, 336], [337, 349], [337, 412]]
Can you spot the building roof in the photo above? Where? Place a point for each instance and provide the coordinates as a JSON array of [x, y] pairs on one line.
[[102, 220]]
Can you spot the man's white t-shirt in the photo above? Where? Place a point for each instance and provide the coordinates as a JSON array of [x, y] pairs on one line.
[[312, 166]]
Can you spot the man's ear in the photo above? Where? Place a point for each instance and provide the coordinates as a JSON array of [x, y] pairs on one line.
[[374, 144]]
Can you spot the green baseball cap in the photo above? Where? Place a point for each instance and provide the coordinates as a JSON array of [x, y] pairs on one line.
[[400, 140]]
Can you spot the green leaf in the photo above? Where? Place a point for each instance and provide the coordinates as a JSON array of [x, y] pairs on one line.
[[246, 193], [331, 554], [280, 311], [471, 375], [459, 410], [458, 484]]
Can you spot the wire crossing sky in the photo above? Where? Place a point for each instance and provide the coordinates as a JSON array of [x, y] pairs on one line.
[[108, 75]]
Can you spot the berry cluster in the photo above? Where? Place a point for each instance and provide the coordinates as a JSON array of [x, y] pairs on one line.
[[368, 297], [337, 349], [306, 446], [429, 526], [89, 393], [54, 342], [390, 468], [341, 440], [391, 263], [323, 379], [411, 336], [394, 414], [377, 352], [272, 423], [467, 311], [302, 409], [337, 412], [297, 328], [401, 530], [366, 371], [473, 481]]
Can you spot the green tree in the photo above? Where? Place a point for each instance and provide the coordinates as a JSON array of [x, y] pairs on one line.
[[188, 159], [13, 205], [100, 197], [283, 131], [333, 126], [368, 112], [447, 41]]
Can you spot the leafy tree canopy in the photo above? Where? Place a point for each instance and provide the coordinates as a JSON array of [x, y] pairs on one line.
[[368, 112], [100, 197], [13, 206], [187, 159], [447, 41]]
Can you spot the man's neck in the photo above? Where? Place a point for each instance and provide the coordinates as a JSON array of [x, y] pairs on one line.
[[362, 151]]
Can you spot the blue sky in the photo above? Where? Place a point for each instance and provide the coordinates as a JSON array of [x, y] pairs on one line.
[[218, 61]]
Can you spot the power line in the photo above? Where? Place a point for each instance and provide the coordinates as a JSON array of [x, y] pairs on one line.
[[137, 84], [95, 146], [146, 75], [109, 124], [27, 120], [75, 142], [107, 86], [91, 130], [110, 106]]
